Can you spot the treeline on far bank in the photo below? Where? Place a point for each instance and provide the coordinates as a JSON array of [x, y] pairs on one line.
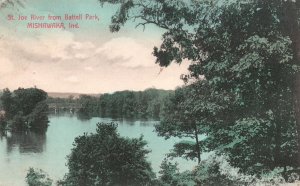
[[125, 104]]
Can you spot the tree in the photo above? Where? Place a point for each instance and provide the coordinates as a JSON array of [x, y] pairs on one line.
[[38, 178], [170, 175], [186, 114], [25, 108], [8, 103], [105, 158], [140, 104], [27, 99], [89, 106], [11, 3], [291, 27], [247, 52], [208, 173], [38, 118]]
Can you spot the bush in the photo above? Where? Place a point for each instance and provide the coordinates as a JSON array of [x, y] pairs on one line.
[[105, 158], [170, 175], [37, 178], [216, 170]]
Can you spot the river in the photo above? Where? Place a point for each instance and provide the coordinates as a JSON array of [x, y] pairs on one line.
[[48, 152]]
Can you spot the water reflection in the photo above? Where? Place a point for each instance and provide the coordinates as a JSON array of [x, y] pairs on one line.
[[83, 117], [24, 142], [134, 121], [48, 151]]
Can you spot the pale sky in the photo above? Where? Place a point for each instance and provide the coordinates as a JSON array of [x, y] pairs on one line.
[[85, 60]]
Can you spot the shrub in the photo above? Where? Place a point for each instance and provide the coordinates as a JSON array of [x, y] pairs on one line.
[[38, 178], [105, 158]]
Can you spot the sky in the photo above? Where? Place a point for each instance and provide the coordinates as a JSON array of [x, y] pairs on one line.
[[89, 59]]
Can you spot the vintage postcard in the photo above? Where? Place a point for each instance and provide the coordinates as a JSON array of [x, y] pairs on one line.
[[149, 92]]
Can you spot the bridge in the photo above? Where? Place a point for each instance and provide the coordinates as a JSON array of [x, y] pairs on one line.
[[63, 107]]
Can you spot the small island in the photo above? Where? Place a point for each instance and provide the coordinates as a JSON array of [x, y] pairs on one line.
[[23, 110]]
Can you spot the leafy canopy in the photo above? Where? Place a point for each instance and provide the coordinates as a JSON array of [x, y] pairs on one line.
[[244, 54], [25, 109], [105, 158]]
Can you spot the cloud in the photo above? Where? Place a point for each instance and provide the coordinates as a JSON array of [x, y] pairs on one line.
[[6, 66], [54, 46], [85, 60], [62, 62], [88, 68], [127, 52], [72, 79], [45, 48]]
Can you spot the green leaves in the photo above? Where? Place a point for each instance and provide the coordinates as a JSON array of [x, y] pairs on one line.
[[243, 68], [26, 109], [185, 149], [105, 158], [170, 175], [37, 178], [129, 104]]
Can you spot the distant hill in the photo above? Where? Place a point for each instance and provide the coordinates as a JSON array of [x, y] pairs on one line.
[[69, 94]]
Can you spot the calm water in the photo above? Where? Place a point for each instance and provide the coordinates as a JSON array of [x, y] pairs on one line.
[[18, 152]]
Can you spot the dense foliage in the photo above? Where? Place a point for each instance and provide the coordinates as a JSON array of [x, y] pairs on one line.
[[25, 109], [128, 104], [106, 158], [170, 175], [142, 104], [215, 171], [245, 61], [187, 114], [37, 178]]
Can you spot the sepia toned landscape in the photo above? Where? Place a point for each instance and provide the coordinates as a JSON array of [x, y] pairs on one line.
[[149, 92]]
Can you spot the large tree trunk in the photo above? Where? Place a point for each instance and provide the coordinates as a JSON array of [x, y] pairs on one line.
[[291, 27], [197, 143]]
